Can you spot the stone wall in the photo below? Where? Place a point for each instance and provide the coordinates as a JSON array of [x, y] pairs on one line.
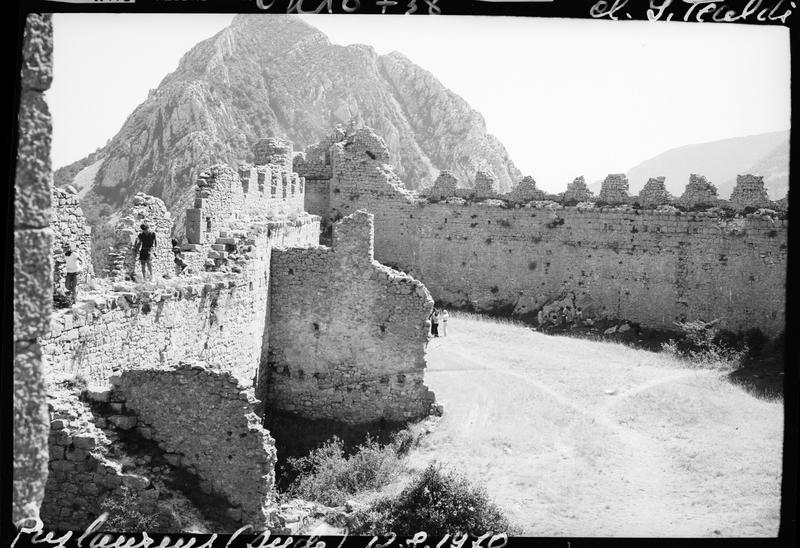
[[81, 475], [123, 263], [654, 193], [70, 230], [205, 420], [216, 317], [648, 266], [225, 196], [749, 192], [33, 268], [347, 335]]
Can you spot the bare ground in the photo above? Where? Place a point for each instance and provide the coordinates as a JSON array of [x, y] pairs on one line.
[[582, 438]]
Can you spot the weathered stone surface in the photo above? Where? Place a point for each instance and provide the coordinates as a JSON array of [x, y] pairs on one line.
[[577, 191], [33, 282], [654, 193], [33, 179], [699, 193], [491, 257], [347, 335], [445, 186], [70, 229], [526, 191], [37, 52], [749, 192], [228, 448], [614, 189], [30, 431]]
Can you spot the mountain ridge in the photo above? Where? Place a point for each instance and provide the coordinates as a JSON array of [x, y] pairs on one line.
[[276, 75]]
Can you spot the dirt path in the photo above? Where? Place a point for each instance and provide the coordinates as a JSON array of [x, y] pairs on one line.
[[538, 420]]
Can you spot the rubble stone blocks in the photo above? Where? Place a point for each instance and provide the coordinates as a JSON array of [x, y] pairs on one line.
[[122, 262], [274, 150], [445, 186], [485, 184], [225, 444], [526, 191], [347, 334], [699, 193], [654, 193], [577, 191], [749, 192], [33, 273], [614, 189], [81, 475]]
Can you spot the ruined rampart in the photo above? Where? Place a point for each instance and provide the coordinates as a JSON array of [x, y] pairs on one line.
[[228, 448], [219, 318], [501, 254], [347, 334]]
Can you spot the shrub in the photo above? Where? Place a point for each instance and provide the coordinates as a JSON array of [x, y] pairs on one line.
[[702, 343], [326, 475], [124, 513], [436, 502]]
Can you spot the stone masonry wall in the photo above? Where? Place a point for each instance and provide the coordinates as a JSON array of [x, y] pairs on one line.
[[81, 476], [70, 229], [205, 419], [649, 266], [33, 268], [219, 318], [224, 196], [347, 335]]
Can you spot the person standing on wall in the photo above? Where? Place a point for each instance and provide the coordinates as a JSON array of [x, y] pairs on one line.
[[145, 246], [443, 321], [73, 267]]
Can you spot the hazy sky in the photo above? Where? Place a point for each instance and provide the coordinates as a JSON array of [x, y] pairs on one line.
[[566, 97]]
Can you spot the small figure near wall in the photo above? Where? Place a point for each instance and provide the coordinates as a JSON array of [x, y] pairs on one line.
[[145, 245], [73, 267], [443, 321], [434, 317]]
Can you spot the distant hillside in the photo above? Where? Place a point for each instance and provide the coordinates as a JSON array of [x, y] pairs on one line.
[[766, 154]]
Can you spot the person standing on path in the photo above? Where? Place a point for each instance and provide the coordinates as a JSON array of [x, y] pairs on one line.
[[145, 245], [443, 321], [435, 323], [73, 267]]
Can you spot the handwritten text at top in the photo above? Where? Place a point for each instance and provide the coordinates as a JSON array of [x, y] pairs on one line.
[[698, 10]]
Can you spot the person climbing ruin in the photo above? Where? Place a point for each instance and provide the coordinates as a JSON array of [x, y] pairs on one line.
[[434, 318], [443, 321], [145, 246], [73, 267], [180, 264]]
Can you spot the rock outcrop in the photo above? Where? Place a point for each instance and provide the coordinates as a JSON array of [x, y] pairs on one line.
[[277, 75]]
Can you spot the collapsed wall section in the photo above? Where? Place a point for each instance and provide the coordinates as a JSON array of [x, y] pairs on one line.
[[206, 421], [347, 334]]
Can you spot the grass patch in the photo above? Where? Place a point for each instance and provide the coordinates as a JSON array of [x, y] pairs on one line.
[[436, 502]]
